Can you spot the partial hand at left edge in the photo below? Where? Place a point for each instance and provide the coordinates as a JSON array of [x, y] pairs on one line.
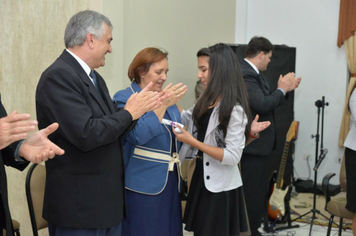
[[38, 147]]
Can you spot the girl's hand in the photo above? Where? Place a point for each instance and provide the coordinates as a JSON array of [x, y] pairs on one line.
[[257, 127], [183, 136]]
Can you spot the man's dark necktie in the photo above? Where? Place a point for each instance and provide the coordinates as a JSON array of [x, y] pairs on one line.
[[92, 75]]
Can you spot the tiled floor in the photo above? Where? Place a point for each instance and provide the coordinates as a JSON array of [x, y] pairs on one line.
[[303, 230]]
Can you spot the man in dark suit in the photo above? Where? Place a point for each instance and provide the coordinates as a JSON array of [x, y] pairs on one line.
[[84, 192], [262, 101], [18, 154]]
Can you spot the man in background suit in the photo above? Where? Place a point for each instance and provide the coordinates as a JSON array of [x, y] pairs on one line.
[[262, 101], [84, 192], [18, 154]]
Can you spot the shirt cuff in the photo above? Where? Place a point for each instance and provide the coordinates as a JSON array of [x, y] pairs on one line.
[[284, 93], [17, 153]]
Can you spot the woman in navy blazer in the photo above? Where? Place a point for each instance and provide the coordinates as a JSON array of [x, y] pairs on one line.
[[221, 123], [152, 174]]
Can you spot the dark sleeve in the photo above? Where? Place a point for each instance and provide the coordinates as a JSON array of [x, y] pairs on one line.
[[131, 127], [8, 152], [8, 155], [259, 101], [62, 97], [119, 108]]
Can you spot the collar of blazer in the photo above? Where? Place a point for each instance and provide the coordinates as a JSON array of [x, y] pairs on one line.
[[246, 66], [213, 120], [104, 102], [262, 80]]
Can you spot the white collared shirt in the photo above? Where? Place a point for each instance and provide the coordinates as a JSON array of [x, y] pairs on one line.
[[258, 72], [84, 65], [252, 65]]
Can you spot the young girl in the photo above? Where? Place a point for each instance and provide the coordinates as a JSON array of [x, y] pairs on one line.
[[218, 125]]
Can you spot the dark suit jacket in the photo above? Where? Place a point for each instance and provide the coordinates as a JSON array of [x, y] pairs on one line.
[[7, 158], [84, 187], [262, 102]]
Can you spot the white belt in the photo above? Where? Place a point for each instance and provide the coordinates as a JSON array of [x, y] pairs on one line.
[[174, 159]]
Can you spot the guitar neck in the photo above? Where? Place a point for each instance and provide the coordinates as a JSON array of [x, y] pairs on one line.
[[282, 166]]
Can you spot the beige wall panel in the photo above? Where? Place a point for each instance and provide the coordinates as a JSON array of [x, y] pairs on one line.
[[179, 27], [32, 38], [113, 70]]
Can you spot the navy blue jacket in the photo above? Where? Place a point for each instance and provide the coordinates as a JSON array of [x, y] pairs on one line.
[[148, 148]]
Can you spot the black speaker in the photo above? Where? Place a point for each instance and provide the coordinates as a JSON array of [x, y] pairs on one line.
[[282, 62]]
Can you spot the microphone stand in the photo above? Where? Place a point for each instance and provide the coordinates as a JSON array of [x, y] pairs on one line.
[[319, 104]]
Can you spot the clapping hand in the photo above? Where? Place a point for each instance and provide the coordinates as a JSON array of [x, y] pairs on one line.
[[257, 127], [144, 101], [288, 82], [175, 93], [15, 127], [38, 147]]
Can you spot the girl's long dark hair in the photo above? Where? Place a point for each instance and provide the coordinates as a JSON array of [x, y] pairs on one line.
[[225, 82]]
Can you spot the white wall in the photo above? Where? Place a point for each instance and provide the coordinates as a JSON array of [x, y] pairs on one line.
[[179, 27], [311, 27]]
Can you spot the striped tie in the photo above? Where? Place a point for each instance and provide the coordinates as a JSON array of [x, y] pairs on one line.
[[92, 75]]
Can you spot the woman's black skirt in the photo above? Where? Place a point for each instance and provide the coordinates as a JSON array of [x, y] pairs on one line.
[[214, 214]]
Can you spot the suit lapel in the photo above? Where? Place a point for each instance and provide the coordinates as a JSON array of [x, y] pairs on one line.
[[261, 78], [105, 95], [264, 81], [135, 87], [85, 78]]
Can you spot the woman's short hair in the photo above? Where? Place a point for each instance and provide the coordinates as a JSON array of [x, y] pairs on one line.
[[142, 62]]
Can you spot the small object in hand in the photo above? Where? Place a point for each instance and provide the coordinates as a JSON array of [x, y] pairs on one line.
[[173, 124]]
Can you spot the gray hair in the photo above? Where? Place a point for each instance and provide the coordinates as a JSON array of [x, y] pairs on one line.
[[82, 24]]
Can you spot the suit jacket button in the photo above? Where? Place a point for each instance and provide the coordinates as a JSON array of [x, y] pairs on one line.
[[207, 163], [208, 177]]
